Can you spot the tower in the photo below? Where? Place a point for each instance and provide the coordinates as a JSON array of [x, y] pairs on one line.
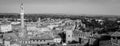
[[69, 36], [22, 18], [69, 33], [39, 19], [22, 14]]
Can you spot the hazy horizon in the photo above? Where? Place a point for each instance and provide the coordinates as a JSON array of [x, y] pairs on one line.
[[74, 7]]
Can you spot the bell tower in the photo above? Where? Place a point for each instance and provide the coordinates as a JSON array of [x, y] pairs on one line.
[[22, 18]]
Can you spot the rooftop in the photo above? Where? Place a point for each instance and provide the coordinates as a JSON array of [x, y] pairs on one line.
[[10, 35], [42, 38], [117, 34], [79, 33]]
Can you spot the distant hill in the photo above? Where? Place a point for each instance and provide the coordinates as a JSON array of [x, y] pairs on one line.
[[8, 13], [16, 15]]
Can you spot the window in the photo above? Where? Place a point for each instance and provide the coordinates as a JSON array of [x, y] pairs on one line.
[[68, 35], [40, 40], [36, 40], [44, 40], [29, 42]]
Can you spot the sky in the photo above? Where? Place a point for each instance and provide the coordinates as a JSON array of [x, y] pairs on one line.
[[77, 7]]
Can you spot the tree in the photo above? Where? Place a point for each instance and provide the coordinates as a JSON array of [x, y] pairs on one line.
[[74, 42], [63, 36]]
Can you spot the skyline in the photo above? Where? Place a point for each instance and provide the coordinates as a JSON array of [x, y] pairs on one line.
[[75, 7]]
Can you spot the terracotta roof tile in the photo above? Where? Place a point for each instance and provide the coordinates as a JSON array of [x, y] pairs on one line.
[[116, 34]]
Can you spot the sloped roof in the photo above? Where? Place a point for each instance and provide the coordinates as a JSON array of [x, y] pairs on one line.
[[116, 34], [77, 33], [57, 36], [12, 35], [45, 37]]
